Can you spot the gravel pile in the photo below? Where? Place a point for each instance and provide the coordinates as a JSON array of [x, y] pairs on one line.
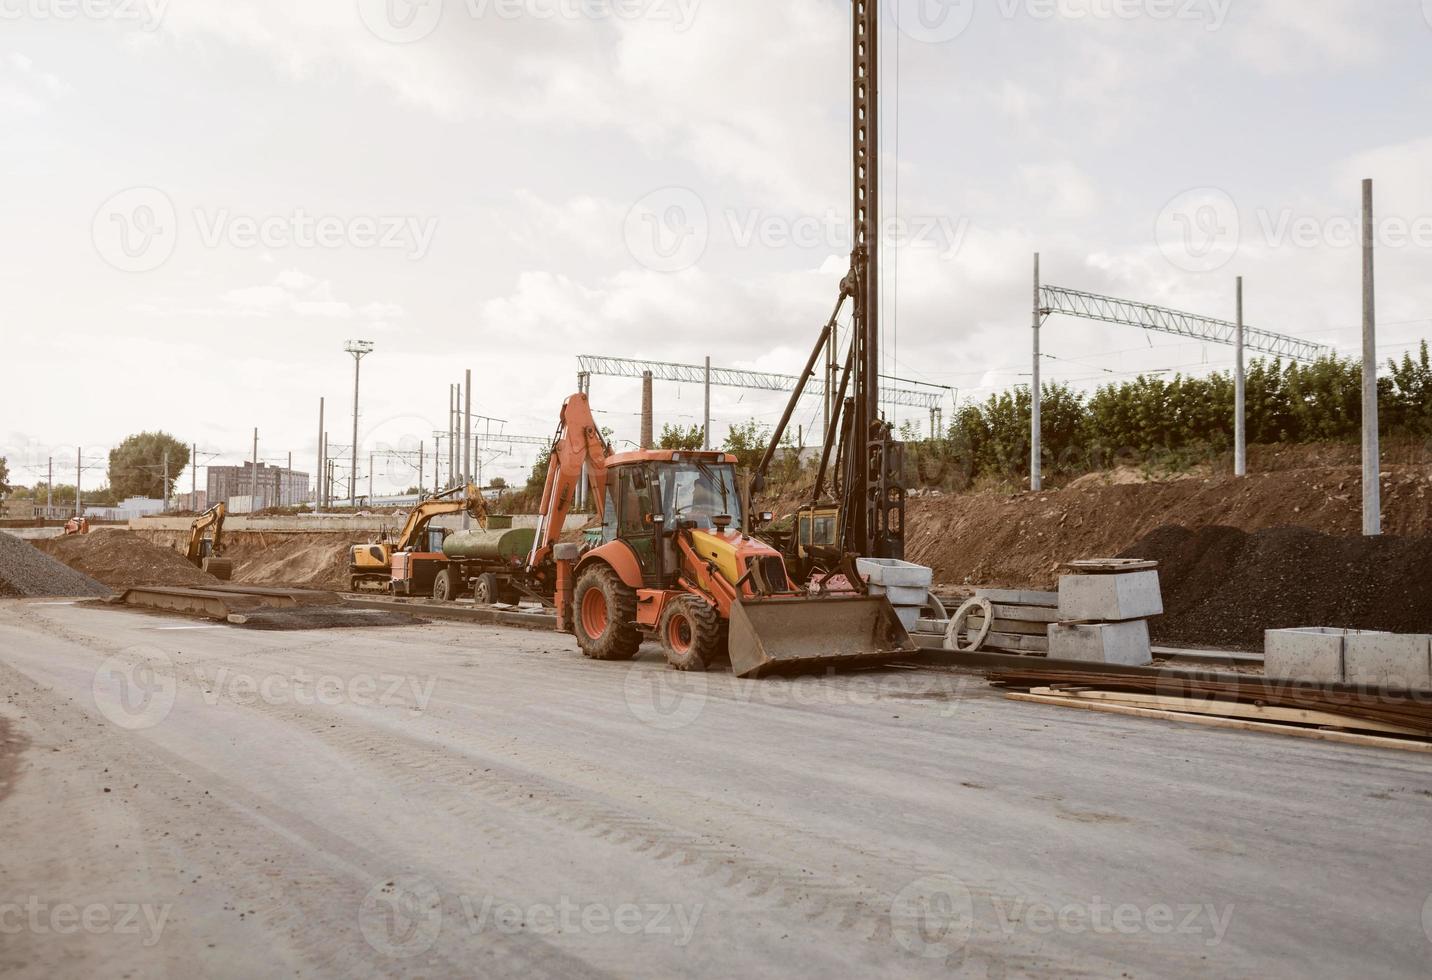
[[1225, 587], [27, 572]]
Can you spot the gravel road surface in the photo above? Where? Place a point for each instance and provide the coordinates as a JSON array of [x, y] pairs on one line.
[[182, 799]]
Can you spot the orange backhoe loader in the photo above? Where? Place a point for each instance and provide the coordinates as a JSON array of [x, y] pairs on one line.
[[677, 563]]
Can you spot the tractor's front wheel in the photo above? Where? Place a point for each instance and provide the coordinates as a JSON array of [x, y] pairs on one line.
[[605, 620], [690, 632]]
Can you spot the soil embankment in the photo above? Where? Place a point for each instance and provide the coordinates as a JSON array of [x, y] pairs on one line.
[[1022, 539]]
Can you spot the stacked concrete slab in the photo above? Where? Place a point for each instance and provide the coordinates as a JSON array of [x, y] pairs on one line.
[[1021, 620], [905, 584], [1104, 612], [1364, 658]]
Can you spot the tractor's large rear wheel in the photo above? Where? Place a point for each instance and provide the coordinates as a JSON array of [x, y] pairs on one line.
[[605, 618], [690, 632]]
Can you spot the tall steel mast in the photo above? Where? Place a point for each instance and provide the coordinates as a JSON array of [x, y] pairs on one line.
[[867, 475]]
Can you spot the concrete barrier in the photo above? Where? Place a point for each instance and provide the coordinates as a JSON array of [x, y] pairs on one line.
[[1110, 598], [1309, 653], [1105, 643], [1388, 660]]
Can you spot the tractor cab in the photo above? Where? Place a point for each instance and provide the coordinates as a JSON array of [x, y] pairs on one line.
[[655, 493]]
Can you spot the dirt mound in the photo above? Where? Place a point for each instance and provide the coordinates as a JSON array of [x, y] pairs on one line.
[[1021, 539], [308, 560], [1225, 586], [25, 571], [123, 559]]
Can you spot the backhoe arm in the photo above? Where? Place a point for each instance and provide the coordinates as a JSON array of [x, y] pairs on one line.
[[423, 514], [578, 441]]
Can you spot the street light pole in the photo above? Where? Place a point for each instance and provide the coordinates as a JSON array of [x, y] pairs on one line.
[[359, 349]]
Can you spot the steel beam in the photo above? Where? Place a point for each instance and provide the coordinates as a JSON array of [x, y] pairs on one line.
[[1107, 309]]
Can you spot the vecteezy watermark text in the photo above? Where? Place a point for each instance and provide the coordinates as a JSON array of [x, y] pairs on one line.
[[328, 690], [407, 21], [1103, 918], [147, 14], [670, 230], [138, 230], [1201, 230], [665, 920], [403, 917], [939, 21], [39, 917]]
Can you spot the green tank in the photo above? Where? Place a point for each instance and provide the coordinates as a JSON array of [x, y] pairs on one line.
[[493, 546]]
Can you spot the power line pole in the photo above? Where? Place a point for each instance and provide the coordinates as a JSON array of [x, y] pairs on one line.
[[467, 442], [706, 416], [50, 487], [194, 476], [1371, 450], [437, 463], [166, 481], [254, 480], [1036, 448], [370, 479], [318, 473], [287, 479], [359, 349], [1240, 396], [79, 471]]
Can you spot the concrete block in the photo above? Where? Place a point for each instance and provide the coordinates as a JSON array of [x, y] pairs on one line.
[[890, 572], [1015, 597], [1104, 643], [1110, 598], [1400, 662], [902, 595], [909, 616], [1308, 653]]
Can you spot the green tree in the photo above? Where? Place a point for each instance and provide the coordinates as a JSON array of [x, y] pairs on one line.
[[136, 466], [498, 483], [748, 442], [676, 437], [4, 476]]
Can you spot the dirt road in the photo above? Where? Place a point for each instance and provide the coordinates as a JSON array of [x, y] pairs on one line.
[[452, 800]]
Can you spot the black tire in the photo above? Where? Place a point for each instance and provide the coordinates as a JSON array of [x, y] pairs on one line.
[[444, 588], [485, 591], [690, 632], [604, 619]]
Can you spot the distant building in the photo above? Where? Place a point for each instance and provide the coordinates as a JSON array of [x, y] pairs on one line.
[[197, 502], [277, 486]]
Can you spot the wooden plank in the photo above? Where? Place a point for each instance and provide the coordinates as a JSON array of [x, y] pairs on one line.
[[1015, 597], [1110, 566], [1231, 709], [1210, 721]]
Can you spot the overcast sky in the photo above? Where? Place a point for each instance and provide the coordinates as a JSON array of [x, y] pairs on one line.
[[204, 199]]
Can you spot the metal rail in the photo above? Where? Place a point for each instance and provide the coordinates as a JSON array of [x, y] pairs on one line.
[[1091, 306], [620, 367]]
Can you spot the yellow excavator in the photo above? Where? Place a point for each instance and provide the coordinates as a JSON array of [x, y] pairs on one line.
[[206, 543], [370, 566]]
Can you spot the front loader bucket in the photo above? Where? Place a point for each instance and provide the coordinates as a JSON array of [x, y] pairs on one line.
[[770, 636]]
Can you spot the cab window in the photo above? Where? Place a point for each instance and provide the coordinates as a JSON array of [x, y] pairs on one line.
[[636, 502]]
